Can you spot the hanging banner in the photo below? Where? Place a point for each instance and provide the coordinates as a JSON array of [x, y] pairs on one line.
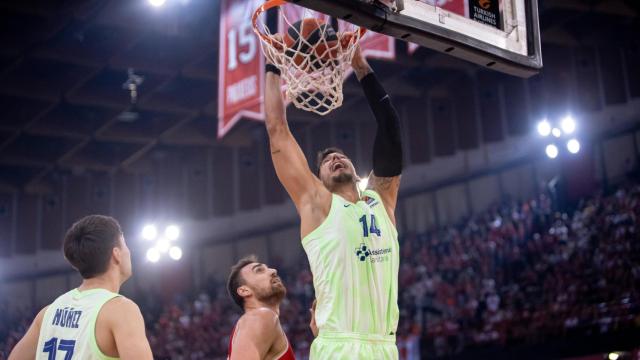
[[241, 66]]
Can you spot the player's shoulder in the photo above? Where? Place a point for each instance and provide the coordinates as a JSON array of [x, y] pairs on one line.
[[119, 308], [40, 316], [262, 318]]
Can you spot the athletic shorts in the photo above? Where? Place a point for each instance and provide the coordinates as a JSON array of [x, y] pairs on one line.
[[350, 346]]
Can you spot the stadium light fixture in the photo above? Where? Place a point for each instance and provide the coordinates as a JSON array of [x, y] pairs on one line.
[[556, 132], [175, 253], [163, 245], [172, 232], [568, 125], [614, 356], [544, 128], [552, 151], [157, 3], [573, 146], [149, 232], [153, 255]]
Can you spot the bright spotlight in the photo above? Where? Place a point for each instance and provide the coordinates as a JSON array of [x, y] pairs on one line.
[[172, 232], [552, 151], [568, 125], [157, 3], [544, 128], [153, 255], [556, 132], [175, 253], [614, 356], [362, 184], [573, 146], [163, 245], [149, 232]]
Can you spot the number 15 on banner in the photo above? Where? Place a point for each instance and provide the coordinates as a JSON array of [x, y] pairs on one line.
[[241, 64]]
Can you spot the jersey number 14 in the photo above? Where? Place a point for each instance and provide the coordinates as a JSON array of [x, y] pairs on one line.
[[366, 229]]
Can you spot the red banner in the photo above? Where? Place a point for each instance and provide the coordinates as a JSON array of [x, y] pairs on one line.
[[241, 64]]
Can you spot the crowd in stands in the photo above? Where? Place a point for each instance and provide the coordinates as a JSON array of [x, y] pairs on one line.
[[520, 272]]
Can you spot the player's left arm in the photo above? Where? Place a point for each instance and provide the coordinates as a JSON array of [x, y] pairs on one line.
[[26, 348], [387, 146]]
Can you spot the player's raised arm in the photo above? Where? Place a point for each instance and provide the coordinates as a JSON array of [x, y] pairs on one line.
[[289, 161], [255, 335], [26, 348], [387, 147]]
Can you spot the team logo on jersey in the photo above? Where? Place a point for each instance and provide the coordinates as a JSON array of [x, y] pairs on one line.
[[362, 252], [370, 201], [376, 255]]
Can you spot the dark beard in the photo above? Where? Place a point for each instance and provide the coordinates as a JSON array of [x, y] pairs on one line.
[[343, 178], [273, 296]]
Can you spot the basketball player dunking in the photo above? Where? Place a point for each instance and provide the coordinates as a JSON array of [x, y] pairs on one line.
[[92, 321], [258, 290], [349, 236]]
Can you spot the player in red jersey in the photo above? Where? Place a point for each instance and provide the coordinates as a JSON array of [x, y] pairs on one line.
[[258, 290]]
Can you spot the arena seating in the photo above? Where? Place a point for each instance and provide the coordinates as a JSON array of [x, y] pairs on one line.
[[519, 273]]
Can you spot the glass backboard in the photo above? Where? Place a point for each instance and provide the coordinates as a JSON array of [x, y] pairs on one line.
[[502, 35]]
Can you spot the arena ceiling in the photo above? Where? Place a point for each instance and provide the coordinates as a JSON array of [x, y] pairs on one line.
[[63, 65]]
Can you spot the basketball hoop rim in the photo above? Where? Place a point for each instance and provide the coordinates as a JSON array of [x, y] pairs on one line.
[[269, 5]]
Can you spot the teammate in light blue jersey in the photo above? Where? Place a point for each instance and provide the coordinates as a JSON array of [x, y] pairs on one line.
[[91, 321]]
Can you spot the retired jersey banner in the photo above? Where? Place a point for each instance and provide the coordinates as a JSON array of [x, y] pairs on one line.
[[241, 66]]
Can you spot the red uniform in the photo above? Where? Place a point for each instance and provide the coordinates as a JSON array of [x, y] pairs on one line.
[[286, 355]]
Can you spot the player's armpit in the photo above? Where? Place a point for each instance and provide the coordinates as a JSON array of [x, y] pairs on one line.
[[27, 347], [387, 188], [254, 336], [127, 325]]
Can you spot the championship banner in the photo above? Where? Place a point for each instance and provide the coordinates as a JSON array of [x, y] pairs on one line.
[[241, 66]]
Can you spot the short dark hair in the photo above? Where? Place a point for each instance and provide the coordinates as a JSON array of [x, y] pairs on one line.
[[236, 280], [89, 242], [323, 154]]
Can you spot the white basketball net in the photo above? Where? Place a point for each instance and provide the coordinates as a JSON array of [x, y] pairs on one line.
[[313, 78]]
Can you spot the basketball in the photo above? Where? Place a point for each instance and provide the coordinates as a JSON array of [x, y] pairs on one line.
[[312, 37]]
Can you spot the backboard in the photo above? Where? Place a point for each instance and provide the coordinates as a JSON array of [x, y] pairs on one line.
[[502, 35]]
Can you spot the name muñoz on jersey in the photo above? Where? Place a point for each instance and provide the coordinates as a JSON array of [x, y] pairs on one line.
[[68, 326], [354, 257]]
